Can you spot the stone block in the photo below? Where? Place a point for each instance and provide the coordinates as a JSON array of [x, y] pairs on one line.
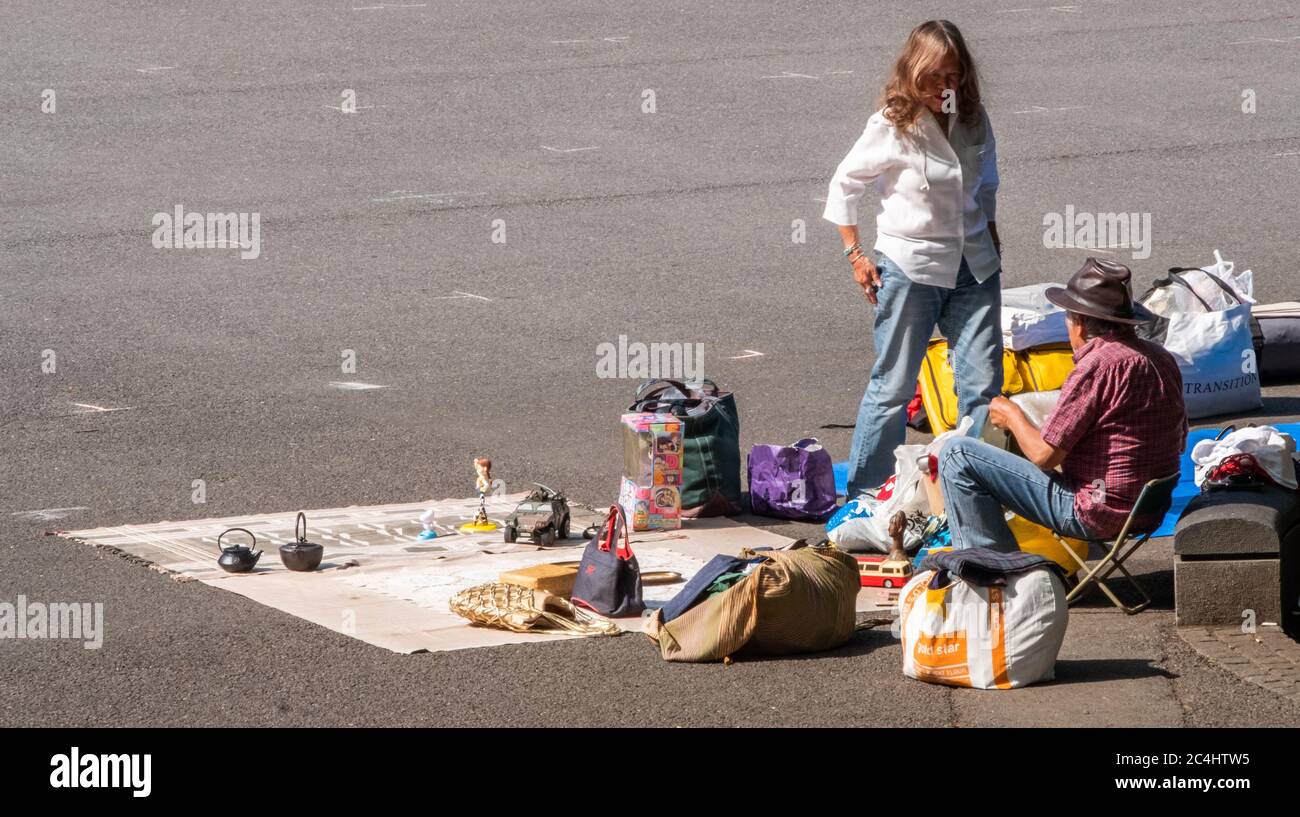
[[1237, 523], [1216, 591]]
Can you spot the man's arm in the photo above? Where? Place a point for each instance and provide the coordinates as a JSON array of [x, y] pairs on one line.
[[1008, 416]]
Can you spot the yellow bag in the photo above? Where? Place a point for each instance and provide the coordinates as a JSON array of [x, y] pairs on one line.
[[1034, 538], [1042, 368]]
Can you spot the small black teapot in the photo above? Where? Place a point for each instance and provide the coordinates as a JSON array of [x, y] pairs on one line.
[[238, 558], [301, 555]]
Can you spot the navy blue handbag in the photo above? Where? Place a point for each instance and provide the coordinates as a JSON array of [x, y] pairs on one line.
[[609, 578]]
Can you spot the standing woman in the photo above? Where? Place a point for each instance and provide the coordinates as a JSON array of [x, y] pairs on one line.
[[937, 258]]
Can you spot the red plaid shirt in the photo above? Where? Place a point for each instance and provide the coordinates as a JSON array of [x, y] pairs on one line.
[[1122, 423]]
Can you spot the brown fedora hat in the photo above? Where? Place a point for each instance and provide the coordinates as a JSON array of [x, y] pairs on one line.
[[1101, 289]]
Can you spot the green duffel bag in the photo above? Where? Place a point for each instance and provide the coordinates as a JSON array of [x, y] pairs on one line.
[[796, 601], [710, 442]]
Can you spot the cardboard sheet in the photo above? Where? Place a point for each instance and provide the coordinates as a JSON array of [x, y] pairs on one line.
[[380, 584]]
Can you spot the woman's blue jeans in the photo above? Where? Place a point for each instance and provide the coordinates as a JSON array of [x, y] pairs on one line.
[[906, 315]]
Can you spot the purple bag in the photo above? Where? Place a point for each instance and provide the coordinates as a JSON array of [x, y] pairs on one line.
[[792, 481]]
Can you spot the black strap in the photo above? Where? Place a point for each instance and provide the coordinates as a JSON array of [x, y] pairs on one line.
[[677, 408], [1175, 276], [652, 388], [1223, 285]]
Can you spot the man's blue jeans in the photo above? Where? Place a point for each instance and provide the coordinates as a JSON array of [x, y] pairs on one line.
[[978, 480], [906, 315]]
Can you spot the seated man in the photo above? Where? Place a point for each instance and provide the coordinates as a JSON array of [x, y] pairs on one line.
[[1120, 423]]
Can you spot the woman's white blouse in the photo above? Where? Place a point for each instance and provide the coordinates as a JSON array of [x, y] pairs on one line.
[[936, 195]]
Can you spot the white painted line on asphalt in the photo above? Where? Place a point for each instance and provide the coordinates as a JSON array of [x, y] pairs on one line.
[[790, 75], [568, 150], [154, 69], [821, 199], [390, 6], [1289, 153], [49, 514], [459, 294], [1264, 40], [218, 244], [87, 408], [1041, 109], [442, 198], [748, 353], [354, 385], [1066, 9], [601, 40]]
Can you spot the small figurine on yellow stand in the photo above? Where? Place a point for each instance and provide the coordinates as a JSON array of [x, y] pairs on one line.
[[483, 467]]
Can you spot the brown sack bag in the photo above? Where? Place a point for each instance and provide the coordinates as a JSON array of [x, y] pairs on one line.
[[797, 601]]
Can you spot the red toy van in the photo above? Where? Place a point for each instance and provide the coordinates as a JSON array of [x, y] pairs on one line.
[[878, 571]]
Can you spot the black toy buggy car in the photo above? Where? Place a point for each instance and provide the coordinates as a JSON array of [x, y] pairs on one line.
[[543, 516]]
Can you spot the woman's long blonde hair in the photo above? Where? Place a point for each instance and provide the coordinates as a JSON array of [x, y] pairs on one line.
[[926, 48]]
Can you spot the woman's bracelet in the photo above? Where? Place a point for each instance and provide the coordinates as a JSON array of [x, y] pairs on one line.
[[857, 247]]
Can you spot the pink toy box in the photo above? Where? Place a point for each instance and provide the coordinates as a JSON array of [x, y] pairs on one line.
[[652, 471]]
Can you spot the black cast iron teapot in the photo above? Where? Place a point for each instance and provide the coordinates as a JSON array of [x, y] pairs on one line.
[[238, 558], [301, 555]]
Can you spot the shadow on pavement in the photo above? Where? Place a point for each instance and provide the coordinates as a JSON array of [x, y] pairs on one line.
[[1079, 670], [862, 643], [1274, 406], [1159, 585]]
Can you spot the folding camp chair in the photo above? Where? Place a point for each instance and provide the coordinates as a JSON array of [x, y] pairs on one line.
[[1155, 494]]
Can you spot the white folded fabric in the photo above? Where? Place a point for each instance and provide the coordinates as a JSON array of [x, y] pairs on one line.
[[1029, 319], [1023, 329], [1271, 448]]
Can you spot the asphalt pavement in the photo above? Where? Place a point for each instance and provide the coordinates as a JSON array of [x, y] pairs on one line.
[[520, 183]]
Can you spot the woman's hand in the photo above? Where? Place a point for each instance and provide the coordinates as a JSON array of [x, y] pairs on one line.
[[866, 274]]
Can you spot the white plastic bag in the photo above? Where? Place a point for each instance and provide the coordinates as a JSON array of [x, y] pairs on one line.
[[1037, 405], [983, 637], [863, 523], [1216, 357], [1242, 283], [1206, 327], [1205, 294]]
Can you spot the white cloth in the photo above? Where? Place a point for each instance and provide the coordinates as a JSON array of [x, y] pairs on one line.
[[936, 195], [1270, 447], [1022, 329], [1029, 319], [1030, 298]]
